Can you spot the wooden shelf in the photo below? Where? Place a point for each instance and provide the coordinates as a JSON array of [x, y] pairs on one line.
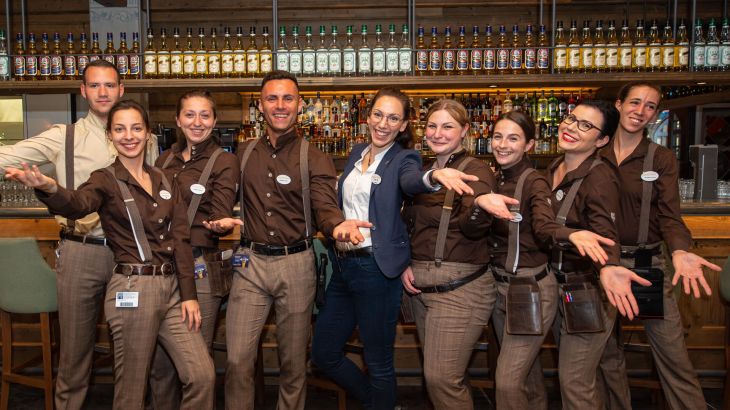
[[465, 82]]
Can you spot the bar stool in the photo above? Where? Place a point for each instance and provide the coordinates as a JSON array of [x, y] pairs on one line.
[[28, 287], [725, 292]]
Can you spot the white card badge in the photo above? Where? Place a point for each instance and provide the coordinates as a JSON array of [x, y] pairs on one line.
[[127, 299], [376, 179], [164, 194], [283, 179], [559, 195], [649, 176], [516, 217], [197, 189]]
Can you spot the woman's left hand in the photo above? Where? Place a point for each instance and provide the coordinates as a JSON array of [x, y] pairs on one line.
[[191, 310], [589, 243], [688, 266], [451, 178]]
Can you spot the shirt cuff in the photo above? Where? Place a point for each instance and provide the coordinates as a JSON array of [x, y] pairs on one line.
[[429, 184]]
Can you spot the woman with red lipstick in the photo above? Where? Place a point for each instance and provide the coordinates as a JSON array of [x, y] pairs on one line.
[[152, 293]]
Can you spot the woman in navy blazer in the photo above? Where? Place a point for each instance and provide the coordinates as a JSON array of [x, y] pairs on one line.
[[365, 289]]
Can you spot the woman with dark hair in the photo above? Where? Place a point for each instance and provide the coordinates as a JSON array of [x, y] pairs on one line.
[[518, 240], [365, 289], [152, 293], [206, 177]]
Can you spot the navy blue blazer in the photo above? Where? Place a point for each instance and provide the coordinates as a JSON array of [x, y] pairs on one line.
[[401, 173]]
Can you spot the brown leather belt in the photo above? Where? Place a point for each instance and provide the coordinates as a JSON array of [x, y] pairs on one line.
[[355, 253], [508, 278], [276, 250], [85, 239], [454, 284], [129, 269]]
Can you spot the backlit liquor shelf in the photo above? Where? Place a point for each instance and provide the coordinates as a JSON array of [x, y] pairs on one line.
[[466, 81]]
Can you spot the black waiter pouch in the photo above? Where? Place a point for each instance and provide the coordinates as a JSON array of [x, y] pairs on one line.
[[582, 307], [650, 299], [524, 311]]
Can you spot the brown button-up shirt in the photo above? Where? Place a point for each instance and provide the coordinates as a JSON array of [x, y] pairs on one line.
[[538, 227], [423, 214], [101, 194], [665, 218], [594, 209], [272, 192], [220, 191]]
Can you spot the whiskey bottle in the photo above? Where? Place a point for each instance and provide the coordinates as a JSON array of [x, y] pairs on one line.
[[189, 55], [364, 54], [421, 53], [56, 58], [334, 56], [560, 55], [462, 53], [654, 53], [515, 55], [612, 58], [44, 58], [134, 65], [434, 53], [586, 48], [321, 58], [542, 108], [378, 59], [295, 54], [122, 56], [503, 52], [405, 53], [31, 59], [599, 48], [681, 50], [448, 55], [712, 48], [83, 57], [698, 48], [266, 56], [625, 48], [19, 58], [176, 55], [638, 62], [725, 46], [507, 104], [543, 52], [282, 52], [201, 56], [150, 56], [529, 56], [475, 54], [214, 55], [349, 58], [95, 53], [667, 48], [391, 53], [574, 54], [163, 56], [239, 55], [253, 58], [309, 55], [109, 51], [227, 55]]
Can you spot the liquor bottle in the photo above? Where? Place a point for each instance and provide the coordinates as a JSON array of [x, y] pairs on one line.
[[378, 53], [712, 48], [475, 54], [95, 53], [282, 51], [560, 63], [44, 59], [552, 106], [134, 65], [265, 54], [698, 48], [599, 48], [586, 48], [489, 53], [321, 58], [530, 54], [163, 56], [31, 59], [69, 59], [543, 52], [562, 106], [334, 56], [309, 57], [434, 53], [421, 53], [625, 47], [109, 51], [725, 46], [542, 108], [572, 102], [654, 53], [213, 55], [239, 55], [405, 56], [227, 55], [150, 56], [515, 54], [612, 58], [681, 51], [122, 56], [201, 56], [503, 52], [507, 104], [448, 55], [392, 63], [253, 62], [667, 48], [83, 58], [462, 53], [56, 58], [189, 55], [573, 49], [364, 54], [4, 59], [19, 59], [349, 57]]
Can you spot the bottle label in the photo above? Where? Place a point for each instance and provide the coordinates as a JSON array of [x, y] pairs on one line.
[[625, 57], [364, 61], [391, 61], [44, 63], [683, 55], [201, 64], [163, 64], [543, 58], [712, 55], [530, 58], [476, 59], [189, 64], [421, 60], [640, 57], [4, 66], [503, 59], [335, 62], [515, 59], [176, 64], [252, 62], [282, 60], [587, 57], [699, 58], [19, 66], [348, 62], [449, 60], [56, 65], [227, 63], [323, 63], [83, 62], [612, 57], [378, 61], [404, 58], [574, 57], [490, 59], [150, 64], [725, 54], [655, 57], [462, 60], [239, 62], [599, 57], [94, 57], [434, 60], [133, 65], [668, 56], [214, 64], [266, 62], [561, 57], [122, 64]]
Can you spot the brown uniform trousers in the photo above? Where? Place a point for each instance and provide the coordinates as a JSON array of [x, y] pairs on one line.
[[136, 332], [164, 382], [666, 337], [287, 282], [449, 324], [613, 382], [519, 378], [83, 271]]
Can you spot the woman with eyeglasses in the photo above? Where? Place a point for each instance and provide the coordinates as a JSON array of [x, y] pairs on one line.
[[365, 290], [453, 294], [518, 243]]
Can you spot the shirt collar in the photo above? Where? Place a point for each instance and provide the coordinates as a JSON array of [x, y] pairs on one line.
[[454, 157], [283, 140], [377, 156], [96, 121], [580, 172], [516, 170]]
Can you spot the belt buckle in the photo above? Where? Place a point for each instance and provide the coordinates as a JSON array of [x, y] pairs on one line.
[[166, 268], [127, 270]]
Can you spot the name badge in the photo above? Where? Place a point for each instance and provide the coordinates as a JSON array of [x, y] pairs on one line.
[[127, 299], [559, 195], [164, 194], [649, 176], [200, 271], [283, 179], [516, 217], [376, 179], [197, 189]]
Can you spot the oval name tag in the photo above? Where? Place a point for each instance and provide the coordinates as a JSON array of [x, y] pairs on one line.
[[164, 194], [516, 217], [283, 179], [376, 179], [197, 189], [559, 195], [649, 176]]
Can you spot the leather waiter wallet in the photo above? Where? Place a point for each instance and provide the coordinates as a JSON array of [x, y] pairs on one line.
[[650, 299], [524, 312]]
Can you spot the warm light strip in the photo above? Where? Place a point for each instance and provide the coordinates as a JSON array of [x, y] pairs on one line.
[[445, 92]]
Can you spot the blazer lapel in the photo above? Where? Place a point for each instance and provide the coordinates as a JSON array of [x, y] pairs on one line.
[[383, 166]]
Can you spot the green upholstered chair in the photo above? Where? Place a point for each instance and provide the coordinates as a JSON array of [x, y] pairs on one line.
[[27, 286], [725, 293]]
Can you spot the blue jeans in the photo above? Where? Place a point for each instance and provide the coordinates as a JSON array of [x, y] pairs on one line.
[[360, 295]]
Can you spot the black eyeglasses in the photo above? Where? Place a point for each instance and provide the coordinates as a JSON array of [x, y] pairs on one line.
[[583, 125]]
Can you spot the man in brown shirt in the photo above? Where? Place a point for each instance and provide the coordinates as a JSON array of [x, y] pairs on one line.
[[275, 263]]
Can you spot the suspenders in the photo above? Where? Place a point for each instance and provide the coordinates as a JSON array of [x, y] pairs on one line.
[[513, 239], [70, 131], [446, 216], [646, 197], [204, 176], [303, 170]]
